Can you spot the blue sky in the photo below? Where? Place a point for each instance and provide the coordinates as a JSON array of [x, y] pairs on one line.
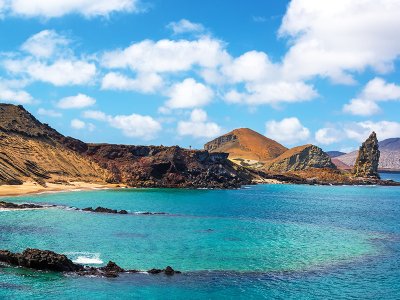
[[183, 72]]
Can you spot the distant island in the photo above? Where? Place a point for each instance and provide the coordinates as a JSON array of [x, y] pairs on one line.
[[35, 155]]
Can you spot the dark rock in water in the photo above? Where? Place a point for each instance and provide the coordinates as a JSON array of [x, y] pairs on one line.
[[368, 159], [19, 206], [167, 271], [45, 260], [40, 260], [105, 210]]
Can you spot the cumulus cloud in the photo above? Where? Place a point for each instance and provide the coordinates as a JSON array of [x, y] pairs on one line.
[[77, 124], [189, 94], [52, 9], [288, 130], [272, 93], [144, 82], [95, 115], [134, 125], [376, 90], [198, 126], [49, 113], [357, 131], [167, 55], [185, 26], [60, 73], [251, 66], [45, 43], [14, 96], [78, 101], [327, 136], [335, 38]]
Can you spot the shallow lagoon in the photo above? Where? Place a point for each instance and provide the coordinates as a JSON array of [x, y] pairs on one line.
[[283, 241]]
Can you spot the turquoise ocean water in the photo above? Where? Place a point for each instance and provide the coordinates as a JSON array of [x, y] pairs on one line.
[[265, 241]]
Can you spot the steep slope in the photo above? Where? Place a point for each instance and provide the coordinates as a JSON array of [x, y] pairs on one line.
[[367, 161], [31, 150], [389, 159], [158, 166], [301, 158], [244, 143]]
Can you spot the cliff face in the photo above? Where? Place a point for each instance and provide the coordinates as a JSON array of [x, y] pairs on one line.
[[368, 159], [158, 166], [31, 150], [389, 158], [301, 158], [245, 143]]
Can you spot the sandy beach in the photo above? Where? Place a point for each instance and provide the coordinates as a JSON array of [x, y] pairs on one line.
[[32, 187]]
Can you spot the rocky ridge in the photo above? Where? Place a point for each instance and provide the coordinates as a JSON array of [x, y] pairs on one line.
[[368, 158], [301, 158]]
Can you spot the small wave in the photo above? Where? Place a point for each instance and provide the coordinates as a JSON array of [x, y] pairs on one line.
[[85, 258]]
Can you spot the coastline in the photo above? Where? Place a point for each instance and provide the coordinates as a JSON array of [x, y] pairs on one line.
[[31, 188]]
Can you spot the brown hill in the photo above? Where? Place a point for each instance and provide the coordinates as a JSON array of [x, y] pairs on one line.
[[245, 143], [32, 150], [301, 158]]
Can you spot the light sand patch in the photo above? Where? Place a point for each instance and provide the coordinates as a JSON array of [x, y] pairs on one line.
[[31, 187]]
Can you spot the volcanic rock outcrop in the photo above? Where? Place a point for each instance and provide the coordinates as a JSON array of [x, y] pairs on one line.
[[244, 143], [301, 158], [30, 150], [45, 260], [158, 166], [389, 158], [368, 158]]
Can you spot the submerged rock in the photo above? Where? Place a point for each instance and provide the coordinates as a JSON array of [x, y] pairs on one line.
[[368, 159], [40, 260], [105, 210], [9, 205], [45, 260]]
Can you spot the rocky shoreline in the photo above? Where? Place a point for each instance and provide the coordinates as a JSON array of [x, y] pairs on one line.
[[45, 260]]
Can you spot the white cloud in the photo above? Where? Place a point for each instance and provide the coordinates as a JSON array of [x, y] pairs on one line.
[[78, 124], [14, 96], [359, 131], [361, 107], [44, 44], [59, 8], [251, 66], [49, 113], [198, 126], [376, 90], [78, 101], [272, 93], [144, 83], [288, 130], [95, 115], [135, 125], [327, 136], [185, 26], [335, 38], [189, 94], [167, 55], [61, 72]]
